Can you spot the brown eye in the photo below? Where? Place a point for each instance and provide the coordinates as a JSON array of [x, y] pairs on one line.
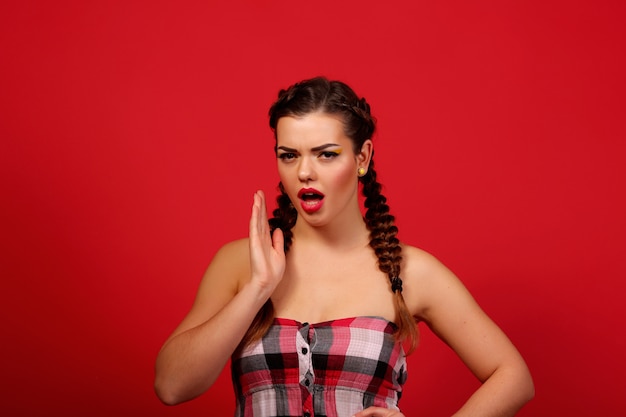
[[328, 155]]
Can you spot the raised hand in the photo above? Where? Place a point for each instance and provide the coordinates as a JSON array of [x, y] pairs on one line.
[[267, 253]]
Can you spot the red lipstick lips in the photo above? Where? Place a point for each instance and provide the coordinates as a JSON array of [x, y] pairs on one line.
[[311, 200]]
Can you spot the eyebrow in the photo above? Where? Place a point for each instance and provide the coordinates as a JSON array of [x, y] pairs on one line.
[[316, 149]]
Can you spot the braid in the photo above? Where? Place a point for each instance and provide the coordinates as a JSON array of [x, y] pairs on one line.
[[384, 242], [284, 218], [381, 226]]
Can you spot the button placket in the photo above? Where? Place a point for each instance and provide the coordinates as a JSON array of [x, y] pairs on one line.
[[305, 362]]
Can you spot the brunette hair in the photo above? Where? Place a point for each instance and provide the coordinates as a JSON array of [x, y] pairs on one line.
[[336, 98]]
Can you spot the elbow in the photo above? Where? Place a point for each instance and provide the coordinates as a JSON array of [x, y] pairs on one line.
[[530, 389], [166, 392], [525, 386], [167, 385], [518, 386], [166, 397], [175, 384], [529, 384], [172, 391]]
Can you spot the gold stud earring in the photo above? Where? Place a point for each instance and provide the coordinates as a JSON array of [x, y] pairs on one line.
[[361, 171]]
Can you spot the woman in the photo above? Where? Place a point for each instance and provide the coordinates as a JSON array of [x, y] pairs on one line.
[[313, 306]]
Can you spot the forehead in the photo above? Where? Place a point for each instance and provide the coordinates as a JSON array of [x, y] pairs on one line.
[[310, 129]]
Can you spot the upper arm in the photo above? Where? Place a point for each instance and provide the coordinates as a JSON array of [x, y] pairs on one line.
[[223, 278], [440, 300]]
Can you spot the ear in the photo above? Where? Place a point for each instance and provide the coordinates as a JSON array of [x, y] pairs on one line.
[[364, 156]]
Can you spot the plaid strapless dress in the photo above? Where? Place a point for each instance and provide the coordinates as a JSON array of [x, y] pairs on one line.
[[330, 369]]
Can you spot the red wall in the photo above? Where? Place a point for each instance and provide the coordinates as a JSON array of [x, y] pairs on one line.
[[134, 134]]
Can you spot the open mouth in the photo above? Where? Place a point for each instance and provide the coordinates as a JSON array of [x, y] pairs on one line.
[[308, 194], [311, 196], [311, 200]]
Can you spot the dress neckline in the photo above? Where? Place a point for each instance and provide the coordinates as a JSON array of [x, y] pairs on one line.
[[331, 322]]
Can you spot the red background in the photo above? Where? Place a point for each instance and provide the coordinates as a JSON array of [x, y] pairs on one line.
[[134, 134]]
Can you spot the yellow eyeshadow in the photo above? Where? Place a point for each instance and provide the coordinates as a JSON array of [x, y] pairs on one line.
[[338, 151]]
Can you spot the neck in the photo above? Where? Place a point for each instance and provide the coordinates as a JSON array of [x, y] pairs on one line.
[[347, 231]]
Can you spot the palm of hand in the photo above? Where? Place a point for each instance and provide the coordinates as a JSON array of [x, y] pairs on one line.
[[267, 255]]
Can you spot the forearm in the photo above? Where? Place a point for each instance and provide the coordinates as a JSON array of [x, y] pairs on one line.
[[189, 363], [501, 395]]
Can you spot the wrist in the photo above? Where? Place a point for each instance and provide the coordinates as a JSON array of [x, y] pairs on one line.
[[259, 290]]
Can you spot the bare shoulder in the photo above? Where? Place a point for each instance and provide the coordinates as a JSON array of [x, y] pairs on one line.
[[417, 262], [226, 274], [420, 268], [230, 265], [233, 250], [234, 247], [427, 282]]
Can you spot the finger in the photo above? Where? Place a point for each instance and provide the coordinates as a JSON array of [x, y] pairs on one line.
[[278, 241], [263, 214], [374, 412], [254, 217]]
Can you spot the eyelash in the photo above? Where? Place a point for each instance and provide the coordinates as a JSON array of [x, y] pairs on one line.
[[289, 156], [329, 154]]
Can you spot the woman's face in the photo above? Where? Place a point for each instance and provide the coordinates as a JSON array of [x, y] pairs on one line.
[[318, 166]]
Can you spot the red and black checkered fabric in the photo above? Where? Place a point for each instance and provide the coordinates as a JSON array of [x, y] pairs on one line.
[[330, 369]]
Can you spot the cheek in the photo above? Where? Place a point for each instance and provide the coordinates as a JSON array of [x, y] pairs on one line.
[[282, 174], [345, 177], [287, 178]]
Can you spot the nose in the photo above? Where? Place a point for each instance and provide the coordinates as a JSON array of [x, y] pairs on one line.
[[306, 171]]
